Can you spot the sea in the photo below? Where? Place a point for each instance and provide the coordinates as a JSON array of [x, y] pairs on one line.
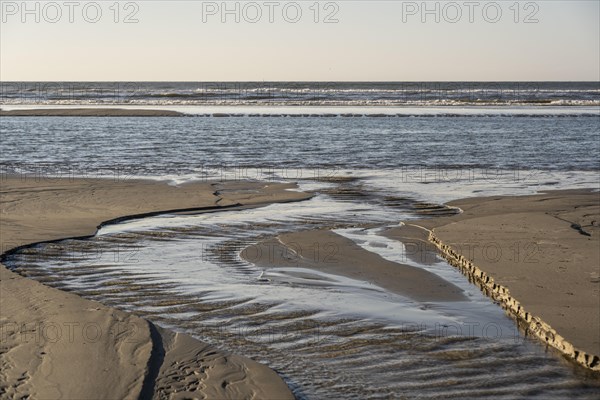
[[375, 154]]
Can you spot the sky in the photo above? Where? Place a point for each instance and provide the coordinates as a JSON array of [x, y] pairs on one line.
[[267, 40]]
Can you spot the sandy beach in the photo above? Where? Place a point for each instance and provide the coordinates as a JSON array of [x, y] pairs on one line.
[[539, 256], [88, 112], [57, 345]]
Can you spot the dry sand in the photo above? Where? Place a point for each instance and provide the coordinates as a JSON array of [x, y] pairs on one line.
[[538, 255], [341, 256], [88, 112], [57, 345]]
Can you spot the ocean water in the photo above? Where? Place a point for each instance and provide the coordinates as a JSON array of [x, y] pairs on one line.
[[303, 93], [196, 146], [328, 336]]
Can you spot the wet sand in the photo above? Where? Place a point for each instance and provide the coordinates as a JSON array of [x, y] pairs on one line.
[[88, 112], [341, 256], [538, 255], [57, 345]]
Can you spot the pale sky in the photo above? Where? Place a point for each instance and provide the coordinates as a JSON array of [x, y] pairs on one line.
[[371, 41]]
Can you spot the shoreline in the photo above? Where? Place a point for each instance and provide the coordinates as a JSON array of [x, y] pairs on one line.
[[295, 110], [130, 350], [532, 291], [89, 112]]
